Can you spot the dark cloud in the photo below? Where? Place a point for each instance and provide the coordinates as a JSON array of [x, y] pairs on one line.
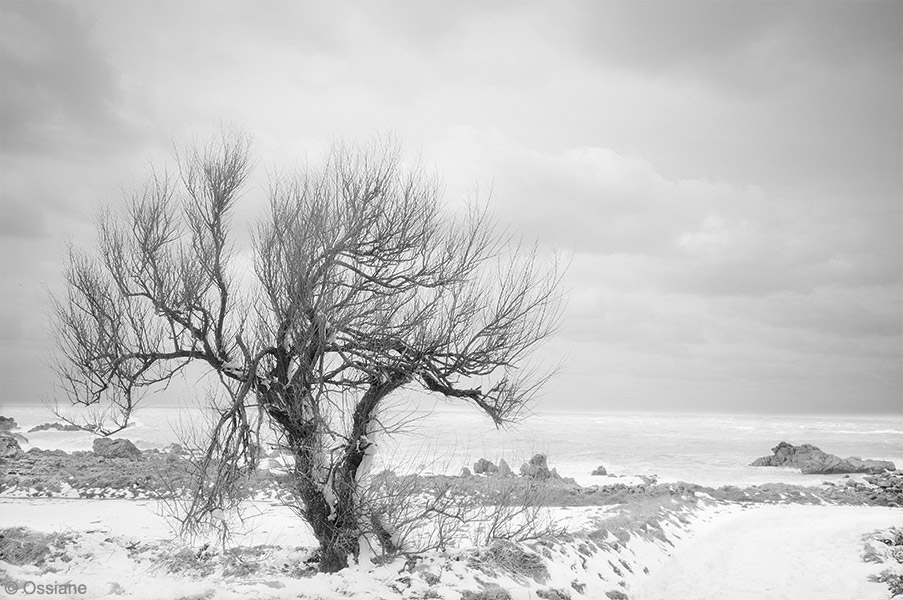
[[57, 88]]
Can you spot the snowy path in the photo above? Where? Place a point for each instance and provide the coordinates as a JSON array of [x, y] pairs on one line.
[[783, 552]]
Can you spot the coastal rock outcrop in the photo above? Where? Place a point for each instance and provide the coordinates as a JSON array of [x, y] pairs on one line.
[[115, 448], [505, 469], [485, 467], [812, 460], [7, 425], [886, 488], [600, 470], [9, 447], [56, 426], [538, 468]]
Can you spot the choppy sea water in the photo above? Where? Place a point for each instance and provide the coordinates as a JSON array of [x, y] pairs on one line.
[[704, 449]]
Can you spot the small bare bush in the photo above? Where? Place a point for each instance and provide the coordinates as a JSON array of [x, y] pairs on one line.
[[407, 514], [514, 510], [417, 514]]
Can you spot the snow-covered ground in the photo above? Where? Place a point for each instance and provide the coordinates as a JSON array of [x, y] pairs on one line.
[[786, 552], [126, 548]]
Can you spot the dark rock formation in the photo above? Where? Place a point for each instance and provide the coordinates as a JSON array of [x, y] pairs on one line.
[[484, 466], [870, 466], [465, 472], [9, 447], [115, 448], [178, 450], [7, 424], [600, 470], [57, 426], [886, 489], [811, 460], [505, 469], [537, 468], [16, 436]]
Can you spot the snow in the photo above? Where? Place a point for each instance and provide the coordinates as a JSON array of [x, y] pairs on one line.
[[786, 552], [716, 550]]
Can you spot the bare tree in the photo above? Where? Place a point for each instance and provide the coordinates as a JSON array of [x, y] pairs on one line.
[[363, 286]]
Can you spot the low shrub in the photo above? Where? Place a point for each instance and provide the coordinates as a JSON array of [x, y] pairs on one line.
[[514, 559], [490, 592], [552, 594], [22, 546]]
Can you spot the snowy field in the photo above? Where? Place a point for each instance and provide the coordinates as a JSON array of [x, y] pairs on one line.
[[125, 548]]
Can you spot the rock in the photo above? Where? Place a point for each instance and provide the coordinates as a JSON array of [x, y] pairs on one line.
[[870, 466], [16, 436], [887, 488], [505, 469], [115, 448], [9, 447], [537, 468], [600, 470], [178, 450], [484, 466], [811, 460], [57, 426], [8, 423], [465, 472]]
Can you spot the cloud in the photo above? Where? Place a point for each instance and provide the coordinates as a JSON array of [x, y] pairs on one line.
[[21, 219], [690, 236], [694, 283], [58, 89], [726, 177], [738, 48]]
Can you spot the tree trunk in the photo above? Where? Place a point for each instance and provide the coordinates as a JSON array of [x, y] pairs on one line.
[[334, 554], [332, 508], [337, 533]]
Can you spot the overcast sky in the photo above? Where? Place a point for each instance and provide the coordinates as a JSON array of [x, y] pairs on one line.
[[728, 177]]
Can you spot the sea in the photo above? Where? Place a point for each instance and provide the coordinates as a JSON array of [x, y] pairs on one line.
[[712, 450]]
